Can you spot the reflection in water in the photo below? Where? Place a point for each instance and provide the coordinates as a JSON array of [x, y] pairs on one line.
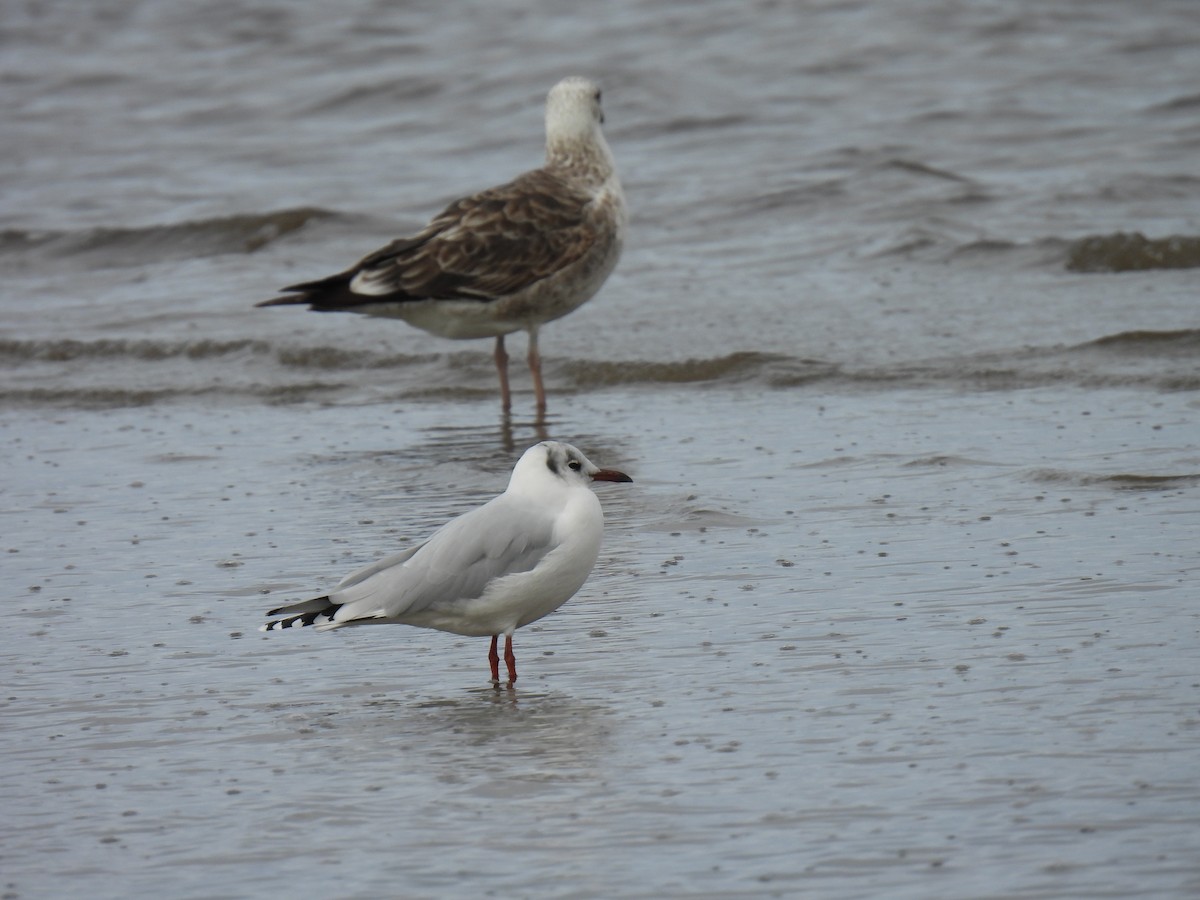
[[486, 736], [477, 442]]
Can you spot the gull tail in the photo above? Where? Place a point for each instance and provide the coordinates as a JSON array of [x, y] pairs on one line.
[[327, 294], [331, 294], [300, 615]]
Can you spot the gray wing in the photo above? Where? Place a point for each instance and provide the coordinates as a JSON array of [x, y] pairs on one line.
[[456, 564], [360, 575]]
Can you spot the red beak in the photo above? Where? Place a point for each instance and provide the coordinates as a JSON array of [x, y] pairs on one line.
[[611, 475]]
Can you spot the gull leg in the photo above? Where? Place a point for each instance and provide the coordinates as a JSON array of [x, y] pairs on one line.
[[535, 369], [494, 661], [501, 358], [510, 660]]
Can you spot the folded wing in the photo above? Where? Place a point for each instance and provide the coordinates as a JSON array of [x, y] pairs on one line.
[[489, 245], [456, 565]]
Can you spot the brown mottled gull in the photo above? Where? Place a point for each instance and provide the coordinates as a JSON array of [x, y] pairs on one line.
[[509, 258]]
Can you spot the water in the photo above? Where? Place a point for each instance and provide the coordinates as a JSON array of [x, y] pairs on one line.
[[900, 603]]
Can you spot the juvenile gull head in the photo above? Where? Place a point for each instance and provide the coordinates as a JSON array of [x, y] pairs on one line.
[[573, 136]]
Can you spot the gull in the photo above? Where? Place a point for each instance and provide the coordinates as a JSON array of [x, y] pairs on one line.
[[509, 258], [492, 570]]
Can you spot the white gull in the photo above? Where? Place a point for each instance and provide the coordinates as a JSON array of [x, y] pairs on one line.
[[509, 258], [492, 570]]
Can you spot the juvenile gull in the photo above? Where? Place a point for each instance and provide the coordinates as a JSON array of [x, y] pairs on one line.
[[492, 570], [509, 258]]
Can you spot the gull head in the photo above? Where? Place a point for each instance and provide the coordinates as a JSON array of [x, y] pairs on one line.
[[573, 110], [555, 463]]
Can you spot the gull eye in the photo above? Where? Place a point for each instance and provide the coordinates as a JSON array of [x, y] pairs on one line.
[[575, 465]]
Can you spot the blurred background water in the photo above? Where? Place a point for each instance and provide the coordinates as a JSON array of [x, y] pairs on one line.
[[902, 355]]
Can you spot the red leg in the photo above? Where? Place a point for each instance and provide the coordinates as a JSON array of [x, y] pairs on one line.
[[501, 358], [510, 660], [494, 660]]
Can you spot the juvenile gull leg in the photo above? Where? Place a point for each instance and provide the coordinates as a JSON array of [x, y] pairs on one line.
[[535, 369], [501, 358]]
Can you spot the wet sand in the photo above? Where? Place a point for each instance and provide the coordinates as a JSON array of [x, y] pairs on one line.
[[867, 642]]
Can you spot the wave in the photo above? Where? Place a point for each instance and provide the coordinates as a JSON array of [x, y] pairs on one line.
[[1095, 254], [116, 247], [114, 372], [1182, 342], [1124, 481], [68, 349], [116, 397], [16, 352], [1132, 252], [774, 370]]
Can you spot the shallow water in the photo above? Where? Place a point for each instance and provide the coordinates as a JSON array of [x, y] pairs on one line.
[[900, 603]]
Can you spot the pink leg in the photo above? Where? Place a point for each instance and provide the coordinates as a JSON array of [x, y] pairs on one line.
[[510, 660], [494, 660], [535, 369], [501, 357]]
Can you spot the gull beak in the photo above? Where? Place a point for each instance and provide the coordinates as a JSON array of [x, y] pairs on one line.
[[610, 475]]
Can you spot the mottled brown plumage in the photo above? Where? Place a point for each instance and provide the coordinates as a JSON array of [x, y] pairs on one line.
[[506, 259]]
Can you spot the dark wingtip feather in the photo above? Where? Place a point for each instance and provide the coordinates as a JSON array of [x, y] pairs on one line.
[[306, 617], [317, 604]]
